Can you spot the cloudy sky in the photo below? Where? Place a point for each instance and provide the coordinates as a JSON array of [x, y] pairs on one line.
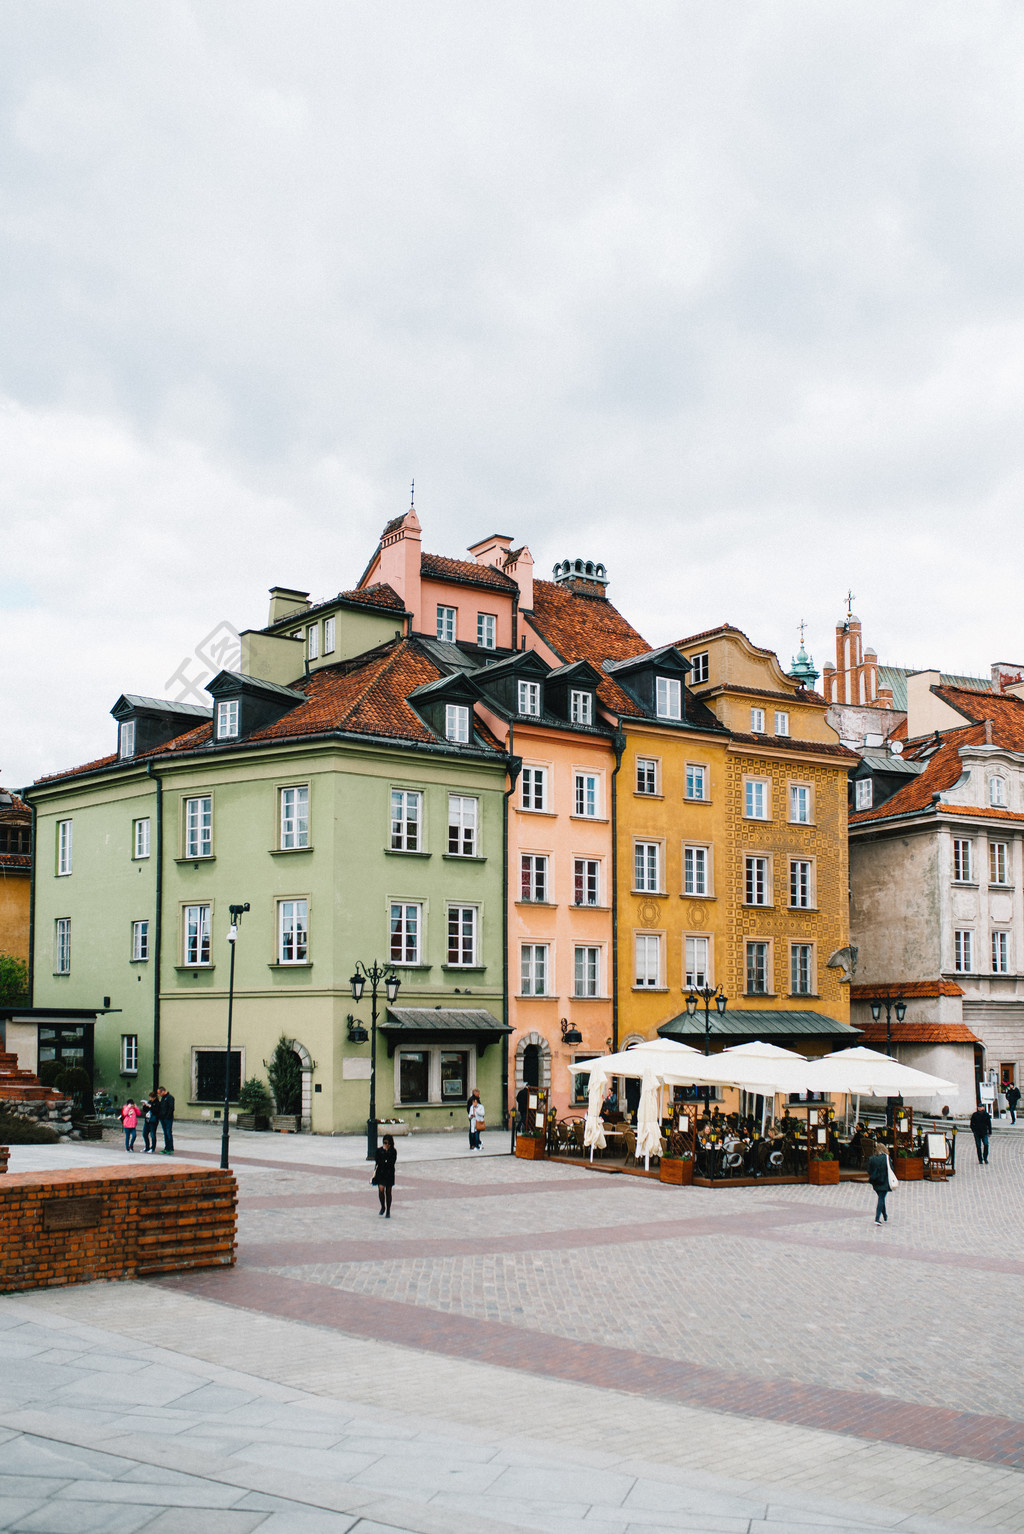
[[727, 295]]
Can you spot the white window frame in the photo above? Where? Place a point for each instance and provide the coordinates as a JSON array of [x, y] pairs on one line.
[[1000, 951], [781, 721], [463, 923], [647, 861], [693, 975], [581, 706], [129, 1054], [293, 817], [696, 782], [757, 879], [647, 961], [198, 826], [534, 792], [586, 795], [998, 862], [126, 739], [646, 771], [668, 694], [766, 956], [456, 723], [313, 641], [195, 933], [140, 838], [447, 623], [696, 869], [534, 969], [997, 792], [756, 799], [533, 878], [328, 636], [62, 945], [801, 884], [528, 694], [227, 718], [293, 931], [406, 820], [963, 950], [586, 970], [801, 967], [140, 941], [586, 874], [487, 630], [963, 860], [464, 822], [757, 721], [800, 798], [409, 916], [65, 837], [863, 794], [700, 667]]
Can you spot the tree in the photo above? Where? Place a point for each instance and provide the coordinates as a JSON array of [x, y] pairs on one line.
[[13, 980], [285, 1076]]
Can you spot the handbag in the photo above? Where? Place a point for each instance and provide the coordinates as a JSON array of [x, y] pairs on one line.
[[480, 1124], [373, 1180], [894, 1181]]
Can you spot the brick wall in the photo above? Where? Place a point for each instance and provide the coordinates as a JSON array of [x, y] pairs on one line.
[[75, 1226]]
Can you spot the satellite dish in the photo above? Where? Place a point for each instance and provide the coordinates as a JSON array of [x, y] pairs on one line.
[[896, 747]]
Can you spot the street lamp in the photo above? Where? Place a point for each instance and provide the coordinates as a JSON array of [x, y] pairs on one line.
[[570, 1033], [706, 994], [376, 975], [891, 1004], [236, 912]]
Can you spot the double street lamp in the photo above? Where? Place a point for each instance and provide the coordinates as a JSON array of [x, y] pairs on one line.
[[237, 912], [376, 976], [891, 1004], [707, 994]]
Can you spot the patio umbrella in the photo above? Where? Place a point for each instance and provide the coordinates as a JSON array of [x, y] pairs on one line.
[[593, 1129], [865, 1071], [635, 1060], [757, 1067], [648, 1119]]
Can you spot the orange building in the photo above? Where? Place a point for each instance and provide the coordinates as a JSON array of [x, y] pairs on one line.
[[15, 874]]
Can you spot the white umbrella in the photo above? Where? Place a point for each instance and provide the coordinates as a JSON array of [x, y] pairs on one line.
[[865, 1071], [635, 1060], [648, 1119], [757, 1067], [593, 1129]]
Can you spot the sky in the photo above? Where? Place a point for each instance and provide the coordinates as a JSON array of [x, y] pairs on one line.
[[729, 296]]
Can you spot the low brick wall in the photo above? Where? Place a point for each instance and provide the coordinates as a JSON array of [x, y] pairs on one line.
[[126, 1222]]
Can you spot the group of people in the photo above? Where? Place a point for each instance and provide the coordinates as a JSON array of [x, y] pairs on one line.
[[156, 1109]]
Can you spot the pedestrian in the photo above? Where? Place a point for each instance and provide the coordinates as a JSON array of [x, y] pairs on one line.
[[1012, 1099], [475, 1109], [383, 1178], [981, 1128], [129, 1119], [883, 1179], [165, 1113], [522, 1108], [150, 1119]]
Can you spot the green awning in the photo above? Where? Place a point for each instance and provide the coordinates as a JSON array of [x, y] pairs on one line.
[[743, 1025]]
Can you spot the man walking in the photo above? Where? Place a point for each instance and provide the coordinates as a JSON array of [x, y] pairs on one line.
[[1012, 1099], [981, 1128], [165, 1113]]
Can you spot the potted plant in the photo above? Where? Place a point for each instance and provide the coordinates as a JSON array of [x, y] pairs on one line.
[[823, 1169], [909, 1167], [285, 1076], [677, 1170], [254, 1105]]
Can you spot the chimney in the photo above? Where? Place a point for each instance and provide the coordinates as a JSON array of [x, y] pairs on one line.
[[284, 602], [520, 566], [401, 547], [492, 551], [583, 576]]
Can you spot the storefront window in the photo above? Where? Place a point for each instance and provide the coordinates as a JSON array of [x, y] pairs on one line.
[[413, 1080], [454, 1083]]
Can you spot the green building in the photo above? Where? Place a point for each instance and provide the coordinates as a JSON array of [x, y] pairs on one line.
[[357, 807]]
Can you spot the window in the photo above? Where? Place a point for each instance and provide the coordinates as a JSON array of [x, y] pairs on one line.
[[695, 871], [462, 822], [647, 969], [462, 935], [294, 818], [997, 862], [208, 1075], [1000, 953], [646, 775], [756, 881], [585, 794], [801, 896], [581, 1079], [196, 935], [140, 941], [781, 722], [446, 624], [486, 630], [413, 1076], [801, 969], [535, 788], [800, 804], [696, 957], [757, 721], [456, 722], [586, 881], [646, 867], [198, 827], [62, 945], [961, 860], [227, 718], [533, 959], [696, 781], [587, 972], [963, 951], [328, 636], [757, 969], [129, 1054], [700, 668], [313, 641], [406, 927], [293, 931], [126, 737], [581, 707], [454, 1075], [862, 795], [141, 839], [529, 698], [997, 791], [755, 799], [668, 698], [533, 877], [406, 811], [64, 847]]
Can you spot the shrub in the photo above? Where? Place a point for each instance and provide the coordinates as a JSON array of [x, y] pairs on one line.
[[13, 980], [49, 1070], [15, 1130], [254, 1097], [285, 1075]]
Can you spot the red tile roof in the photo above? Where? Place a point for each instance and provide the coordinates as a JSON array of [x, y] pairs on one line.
[[380, 594], [909, 990], [465, 572], [805, 695], [587, 627], [1004, 710], [941, 771], [787, 743], [873, 1034]]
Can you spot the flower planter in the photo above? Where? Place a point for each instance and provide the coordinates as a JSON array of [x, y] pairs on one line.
[[822, 1173], [286, 1123], [530, 1147], [679, 1173], [245, 1120], [909, 1168], [394, 1130]]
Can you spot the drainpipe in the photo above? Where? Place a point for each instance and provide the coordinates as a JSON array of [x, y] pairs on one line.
[[618, 746], [514, 768], [32, 909], [157, 919]]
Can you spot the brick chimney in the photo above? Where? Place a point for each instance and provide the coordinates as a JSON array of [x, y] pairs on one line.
[[398, 565]]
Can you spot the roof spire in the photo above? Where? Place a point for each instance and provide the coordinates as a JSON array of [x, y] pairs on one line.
[[849, 603], [412, 496]]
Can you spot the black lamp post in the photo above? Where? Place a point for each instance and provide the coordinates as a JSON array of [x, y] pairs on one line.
[[891, 1004], [706, 994], [377, 975], [237, 912]]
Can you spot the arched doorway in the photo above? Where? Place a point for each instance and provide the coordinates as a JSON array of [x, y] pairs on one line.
[[531, 1066]]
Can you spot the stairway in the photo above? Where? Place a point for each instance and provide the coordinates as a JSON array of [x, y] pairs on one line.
[[22, 1086]]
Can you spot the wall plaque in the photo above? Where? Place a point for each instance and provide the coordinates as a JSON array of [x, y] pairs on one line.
[[72, 1213]]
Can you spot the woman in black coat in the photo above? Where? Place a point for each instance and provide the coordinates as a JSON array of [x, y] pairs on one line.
[[878, 1177], [383, 1178]]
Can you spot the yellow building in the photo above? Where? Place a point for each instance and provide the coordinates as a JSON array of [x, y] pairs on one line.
[[15, 874]]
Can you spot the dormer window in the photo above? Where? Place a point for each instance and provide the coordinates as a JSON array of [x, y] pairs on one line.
[[997, 791], [581, 707], [757, 721], [227, 719], [127, 739], [862, 794], [313, 641], [486, 630], [328, 636], [669, 695], [456, 722], [529, 698]]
